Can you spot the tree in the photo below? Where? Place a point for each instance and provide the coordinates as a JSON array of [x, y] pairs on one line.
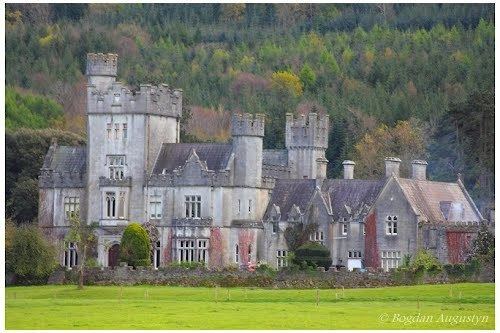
[[287, 82], [23, 202], [313, 254], [33, 258], [83, 235], [135, 246], [406, 140], [483, 247], [298, 234], [307, 77]]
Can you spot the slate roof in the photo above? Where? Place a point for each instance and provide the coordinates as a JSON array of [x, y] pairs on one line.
[[66, 159], [433, 200], [174, 155], [275, 157], [289, 192], [357, 194]]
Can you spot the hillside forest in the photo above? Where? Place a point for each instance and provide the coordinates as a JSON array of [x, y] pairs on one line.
[[406, 80]]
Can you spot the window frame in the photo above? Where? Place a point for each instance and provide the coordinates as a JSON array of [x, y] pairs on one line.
[[192, 205], [71, 207], [391, 225]]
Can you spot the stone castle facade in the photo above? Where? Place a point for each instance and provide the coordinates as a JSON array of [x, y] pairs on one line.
[[229, 204]]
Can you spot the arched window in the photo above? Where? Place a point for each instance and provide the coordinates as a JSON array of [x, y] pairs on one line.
[[70, 256], [157, 255], [250, 253], [236, 253]]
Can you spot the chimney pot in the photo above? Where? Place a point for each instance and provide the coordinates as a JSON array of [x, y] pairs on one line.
[[419, 169], [392, 166], [348, 169]]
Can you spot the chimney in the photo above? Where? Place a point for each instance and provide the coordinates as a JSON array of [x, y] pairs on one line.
[[348, 169], [392, 166], [418, 168]]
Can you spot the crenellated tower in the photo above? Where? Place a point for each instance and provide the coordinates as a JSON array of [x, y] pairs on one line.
[[125, 131], [306, 141], [247, 131]]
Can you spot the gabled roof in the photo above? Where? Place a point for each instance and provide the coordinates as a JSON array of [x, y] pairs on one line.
[[351, 197], [433, 200], [174, 155], [289, 192], [66, 159]]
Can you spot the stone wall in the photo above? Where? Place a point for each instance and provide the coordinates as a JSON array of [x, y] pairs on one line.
[[227, 278]]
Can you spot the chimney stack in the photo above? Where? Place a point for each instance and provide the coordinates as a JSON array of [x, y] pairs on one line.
[[348, 169], [392, 166], [419, 169]]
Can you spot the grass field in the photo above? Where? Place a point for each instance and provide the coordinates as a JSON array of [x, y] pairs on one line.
[[155, 307]]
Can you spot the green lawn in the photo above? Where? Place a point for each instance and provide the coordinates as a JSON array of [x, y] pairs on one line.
[[148, 307]]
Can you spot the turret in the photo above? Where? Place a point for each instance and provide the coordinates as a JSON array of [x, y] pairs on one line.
[[306, 142], [247, 131], [101, 69]]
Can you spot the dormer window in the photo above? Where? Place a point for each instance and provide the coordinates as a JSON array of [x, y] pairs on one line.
[[193, 206], [344, 229], [391, 225]]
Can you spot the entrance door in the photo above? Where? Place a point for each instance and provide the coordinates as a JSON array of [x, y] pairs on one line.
[[113, 255]]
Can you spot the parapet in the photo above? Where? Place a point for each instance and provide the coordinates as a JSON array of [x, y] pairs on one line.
[[247, 124], [100, 64], [310, 131], [158, 100]]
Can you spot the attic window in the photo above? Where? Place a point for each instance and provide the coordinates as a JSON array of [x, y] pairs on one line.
[[452, 211]]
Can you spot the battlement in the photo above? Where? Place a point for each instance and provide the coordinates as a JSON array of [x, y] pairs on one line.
[[247, 125], [310, 131], [149, 99], [100, 64]]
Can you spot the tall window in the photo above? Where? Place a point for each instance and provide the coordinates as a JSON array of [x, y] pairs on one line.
[[275, 227], [344, 228], [116, 166], [250, 253], [189, 250], [108, 130], [71, 207], [250, 205], [239, 206], [317, 236], [155, 206], [281, 258], [121, 205], [70, 256], [390, 259], [193, 206], [110, 205], [117, 131], [157, 255], [391, 225], [125, 130], [236, 254]]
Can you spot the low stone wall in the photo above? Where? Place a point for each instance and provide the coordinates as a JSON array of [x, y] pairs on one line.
[[207, 278]]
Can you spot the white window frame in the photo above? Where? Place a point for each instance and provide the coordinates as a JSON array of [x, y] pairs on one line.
[[317, 236], [116, 167], [193, 206], [354, 255], [281, 258], [110, 208], [344, 229], [390, 259], [157, 255], [155, 206], [71, 207], [192, 250], [109, 127], [391, 226], [70, 259], [117, 131]]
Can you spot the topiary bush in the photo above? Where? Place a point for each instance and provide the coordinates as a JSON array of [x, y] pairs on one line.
[[312, 254], [135, 246]]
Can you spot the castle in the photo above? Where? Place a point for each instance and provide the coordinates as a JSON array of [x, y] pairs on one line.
[[230, 204]]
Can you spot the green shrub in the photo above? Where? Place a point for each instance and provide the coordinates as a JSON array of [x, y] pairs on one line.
[[425, 261], [33, 258], [266, 269], [135, 246], [313, 254]]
